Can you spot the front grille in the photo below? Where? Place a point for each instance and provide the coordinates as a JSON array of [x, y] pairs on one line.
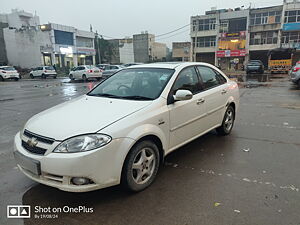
[[33, 149], [40, 138]]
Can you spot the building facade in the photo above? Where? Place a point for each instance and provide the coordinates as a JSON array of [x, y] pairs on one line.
[[181, 51], [229, 38], [147, 50]]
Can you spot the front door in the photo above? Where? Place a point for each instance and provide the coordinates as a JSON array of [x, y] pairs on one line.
[[216, 95], [186, 116]]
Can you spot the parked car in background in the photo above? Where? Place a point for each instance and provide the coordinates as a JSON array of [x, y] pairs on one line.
[[112, 69], [8, 72], [85, 72], [103, 66], [295, 74], [43, 72], [132, 120], [255, 66]]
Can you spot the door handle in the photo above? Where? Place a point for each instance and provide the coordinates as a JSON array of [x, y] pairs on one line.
[[224, 91], [200, 101]]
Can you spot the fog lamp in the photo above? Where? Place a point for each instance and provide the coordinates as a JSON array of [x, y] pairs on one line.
[[80, 180]]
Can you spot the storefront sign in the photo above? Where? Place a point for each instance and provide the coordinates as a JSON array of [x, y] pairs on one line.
[[66, 50], [231, 53], [232, 35], [295, 45], [86, 51], [291, 26]]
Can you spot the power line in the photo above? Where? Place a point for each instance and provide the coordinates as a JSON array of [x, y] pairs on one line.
[[107, 36]]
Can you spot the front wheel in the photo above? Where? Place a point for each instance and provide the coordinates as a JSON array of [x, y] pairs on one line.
[[16, 79], [228, 122], [141, 166], [31, 76]]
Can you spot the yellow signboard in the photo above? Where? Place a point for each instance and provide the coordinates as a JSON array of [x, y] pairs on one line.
[[281, 62]]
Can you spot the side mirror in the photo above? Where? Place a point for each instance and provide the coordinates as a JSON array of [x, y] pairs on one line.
[[182, 95]]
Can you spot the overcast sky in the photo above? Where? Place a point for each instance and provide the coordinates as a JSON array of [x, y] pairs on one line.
[[120, 18]]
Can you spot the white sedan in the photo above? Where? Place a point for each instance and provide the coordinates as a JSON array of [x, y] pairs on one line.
[[8, 72], [85, 72], [132, 120]]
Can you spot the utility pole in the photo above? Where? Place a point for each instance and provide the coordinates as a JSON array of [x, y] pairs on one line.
[[98, 47]]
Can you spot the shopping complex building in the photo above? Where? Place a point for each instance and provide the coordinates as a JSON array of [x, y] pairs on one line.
[[230, 38]]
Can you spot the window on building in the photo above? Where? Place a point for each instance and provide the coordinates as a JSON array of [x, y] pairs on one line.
[[63, 37], [292, 16], [261, 38], [265, 18], [224, 26], [290, 37], [84, 42], [207, 24], [194, 27], [237, 25], [209, 41]]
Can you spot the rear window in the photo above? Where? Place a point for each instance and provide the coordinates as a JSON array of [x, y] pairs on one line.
[[254, 63], [49, 68], [7, 68]]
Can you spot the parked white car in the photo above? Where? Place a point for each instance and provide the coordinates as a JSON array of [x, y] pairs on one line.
[[8, 72], [43, 72], [121, 131], [111, 69], [85, 72]]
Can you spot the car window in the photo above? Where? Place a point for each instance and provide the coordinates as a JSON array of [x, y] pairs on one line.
[[49, 68], [8, 68], [40, 68], [187, 80], [209, 77], [113, 67], [80, 68], [135, 84]]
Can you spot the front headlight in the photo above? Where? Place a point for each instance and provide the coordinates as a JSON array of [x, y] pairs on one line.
[[83, 143]]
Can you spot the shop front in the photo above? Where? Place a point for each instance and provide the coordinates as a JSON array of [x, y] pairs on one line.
[[232, 51], [86, 56]]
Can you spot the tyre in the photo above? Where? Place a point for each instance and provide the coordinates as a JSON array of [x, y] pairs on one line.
[[228, 122], [54, 77], [43, 76], [1, 78], [31, 76], [141, 166], [84, 78], [71, 77], [98, 78], [16, 79]]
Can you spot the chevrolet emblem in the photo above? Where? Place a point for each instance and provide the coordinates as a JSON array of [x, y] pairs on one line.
[[32, 142]]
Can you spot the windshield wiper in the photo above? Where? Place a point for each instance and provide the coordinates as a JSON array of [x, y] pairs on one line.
[[105, 95], [137, 97]]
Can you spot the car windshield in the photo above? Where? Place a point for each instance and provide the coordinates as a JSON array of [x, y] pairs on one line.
[[134, 84], [8, 68], [49, 68]]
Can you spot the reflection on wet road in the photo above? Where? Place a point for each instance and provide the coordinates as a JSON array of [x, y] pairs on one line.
[[249, 177]]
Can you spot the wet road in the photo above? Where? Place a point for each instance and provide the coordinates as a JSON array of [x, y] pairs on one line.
[[249, 177]]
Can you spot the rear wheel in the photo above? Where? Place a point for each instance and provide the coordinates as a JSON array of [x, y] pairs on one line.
[[43, 76], [98, 78], [31, 76], [16, 79], [84, 78], [141, 166], [228, 122]]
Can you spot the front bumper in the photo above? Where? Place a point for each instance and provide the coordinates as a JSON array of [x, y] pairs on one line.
[[103, 166]]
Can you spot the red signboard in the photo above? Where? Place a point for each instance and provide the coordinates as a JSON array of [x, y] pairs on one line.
[[231, 53]]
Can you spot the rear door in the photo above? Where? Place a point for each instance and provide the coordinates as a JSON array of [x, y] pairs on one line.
[[186, 116], [216, 95]]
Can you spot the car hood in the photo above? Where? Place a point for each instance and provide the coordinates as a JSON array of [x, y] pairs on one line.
[[86, 114]]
